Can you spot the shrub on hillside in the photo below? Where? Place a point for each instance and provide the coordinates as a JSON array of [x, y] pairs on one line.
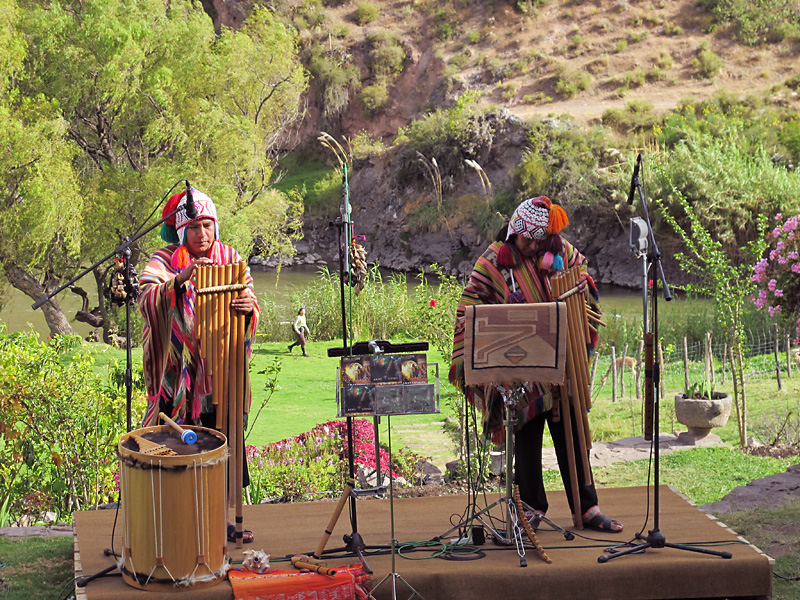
[[756, 21], [449, 135], [374, 97], [386, 56], [706, 62], [570, 81], [366, 12], [337, 78], [636, 116]]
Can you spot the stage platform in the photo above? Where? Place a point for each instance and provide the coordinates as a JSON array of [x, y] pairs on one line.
[[575, 573]]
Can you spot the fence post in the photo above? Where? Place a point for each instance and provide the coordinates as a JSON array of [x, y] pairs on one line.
[[777, 358], [788, 357], [622, 370], [724, 361], [685, 363], [661, 374], [613, 374], [638, 378]]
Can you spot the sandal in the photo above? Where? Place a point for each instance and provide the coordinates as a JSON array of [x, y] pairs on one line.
[[535, 518], [594, 519], [247, 535]]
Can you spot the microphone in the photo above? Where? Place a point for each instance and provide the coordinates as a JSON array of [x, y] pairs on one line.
[[191, 209], [634, 178]]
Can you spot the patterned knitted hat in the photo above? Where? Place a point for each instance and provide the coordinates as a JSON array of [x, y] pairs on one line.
[[536, 218], [174, 229]]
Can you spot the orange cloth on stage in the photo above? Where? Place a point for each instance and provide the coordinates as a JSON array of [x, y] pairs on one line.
[[348, 583]]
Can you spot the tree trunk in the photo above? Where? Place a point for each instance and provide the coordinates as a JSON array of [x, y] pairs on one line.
[[27, 284]]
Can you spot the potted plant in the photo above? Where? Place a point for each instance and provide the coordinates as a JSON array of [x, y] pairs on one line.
[[701, 408]]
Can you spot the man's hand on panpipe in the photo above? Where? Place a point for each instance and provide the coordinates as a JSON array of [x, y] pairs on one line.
[[187, 273], [245, 302], [581, 283]]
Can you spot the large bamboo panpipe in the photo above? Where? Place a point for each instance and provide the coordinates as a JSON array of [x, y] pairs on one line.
[[575, 397], [221, 331]]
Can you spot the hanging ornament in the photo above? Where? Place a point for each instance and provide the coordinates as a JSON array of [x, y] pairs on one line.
[[358, 266], [119, 290]]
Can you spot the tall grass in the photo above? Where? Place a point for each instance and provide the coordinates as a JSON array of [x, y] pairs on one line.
[[382, 310]]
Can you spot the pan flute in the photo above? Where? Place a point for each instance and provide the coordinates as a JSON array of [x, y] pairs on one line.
[[575, 396], [221, 331]]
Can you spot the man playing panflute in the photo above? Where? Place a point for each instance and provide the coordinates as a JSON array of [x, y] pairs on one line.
[[517, 269], [174, 373]]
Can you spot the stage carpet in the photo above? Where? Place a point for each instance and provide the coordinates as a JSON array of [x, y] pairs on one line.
[[287, 529]]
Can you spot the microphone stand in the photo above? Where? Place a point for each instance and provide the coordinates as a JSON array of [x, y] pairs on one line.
[[655, 538]]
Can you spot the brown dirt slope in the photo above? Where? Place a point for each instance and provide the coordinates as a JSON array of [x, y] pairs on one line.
[[629, 49]]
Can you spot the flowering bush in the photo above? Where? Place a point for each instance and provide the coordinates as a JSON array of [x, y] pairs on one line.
[[779, 273], [316, 461]]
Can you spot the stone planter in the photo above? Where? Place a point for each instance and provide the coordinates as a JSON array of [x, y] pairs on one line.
[[701, 414]]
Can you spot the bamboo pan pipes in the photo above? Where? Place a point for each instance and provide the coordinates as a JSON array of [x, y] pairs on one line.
[[575, 397], [221, 331]]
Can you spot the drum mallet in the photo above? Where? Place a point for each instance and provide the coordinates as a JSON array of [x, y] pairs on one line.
[[187, 435]]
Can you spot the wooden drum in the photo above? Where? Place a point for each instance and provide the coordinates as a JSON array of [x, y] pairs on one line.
[[173, 509]]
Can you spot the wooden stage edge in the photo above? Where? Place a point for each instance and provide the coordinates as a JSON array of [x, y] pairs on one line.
[[575, 573]]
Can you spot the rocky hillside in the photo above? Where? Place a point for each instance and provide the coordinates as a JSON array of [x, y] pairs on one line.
[[542, 58]]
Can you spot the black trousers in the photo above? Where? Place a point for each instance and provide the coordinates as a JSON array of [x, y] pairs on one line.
[[209, 420], [528, 458]]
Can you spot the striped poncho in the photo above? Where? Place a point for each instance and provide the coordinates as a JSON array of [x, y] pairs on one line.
[[174, 375], [493, 284]]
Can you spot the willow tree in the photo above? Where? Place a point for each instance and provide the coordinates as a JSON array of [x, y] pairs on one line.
[[151, 95], [39, 202]]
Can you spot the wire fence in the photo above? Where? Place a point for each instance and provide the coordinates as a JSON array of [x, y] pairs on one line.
[[619, 372]]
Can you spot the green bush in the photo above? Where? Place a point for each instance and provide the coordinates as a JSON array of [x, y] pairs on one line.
[[706, 63], [366, 12], [531, 175], [756, 21], [636, 116], [374, 97], [386, 56], [722, 162], [59, 426], [337, 78], [448, 135], [570, 81]]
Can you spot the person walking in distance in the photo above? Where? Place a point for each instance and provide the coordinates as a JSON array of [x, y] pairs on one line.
[[300, 329]]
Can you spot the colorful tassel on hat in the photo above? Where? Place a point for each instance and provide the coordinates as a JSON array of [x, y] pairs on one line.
[[168, 232], [558, 219]]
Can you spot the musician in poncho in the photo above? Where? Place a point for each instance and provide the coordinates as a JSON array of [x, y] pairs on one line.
[[517, 268], [174, 373]]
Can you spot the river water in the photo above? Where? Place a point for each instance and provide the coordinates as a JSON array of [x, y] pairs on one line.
[[18, 315]]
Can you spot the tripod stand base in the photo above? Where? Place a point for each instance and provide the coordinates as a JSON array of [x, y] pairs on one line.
[[394, 578], [657, 539]]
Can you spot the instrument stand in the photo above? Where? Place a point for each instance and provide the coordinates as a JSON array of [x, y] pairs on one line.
[[513, 529], [394, 575], [655, 538]]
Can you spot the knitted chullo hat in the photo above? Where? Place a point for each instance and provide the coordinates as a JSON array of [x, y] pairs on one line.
[[173, 231], [537, 219]]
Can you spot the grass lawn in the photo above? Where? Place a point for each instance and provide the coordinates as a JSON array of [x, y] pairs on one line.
[[307, 394], [36, 568]]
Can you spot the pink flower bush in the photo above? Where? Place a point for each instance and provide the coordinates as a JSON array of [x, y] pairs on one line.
[[777, 274]]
